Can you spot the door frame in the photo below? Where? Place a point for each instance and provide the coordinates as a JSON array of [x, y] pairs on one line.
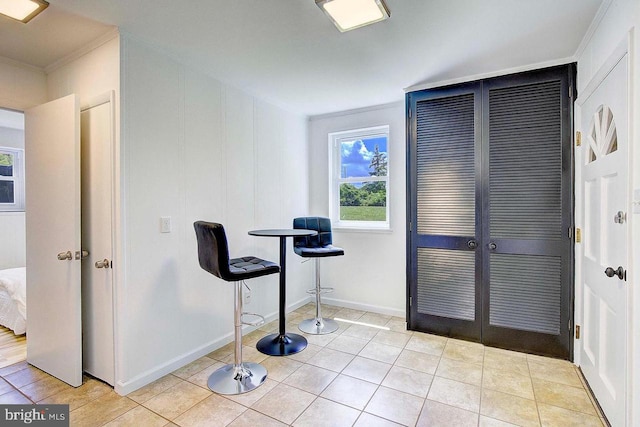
[[623, 48]]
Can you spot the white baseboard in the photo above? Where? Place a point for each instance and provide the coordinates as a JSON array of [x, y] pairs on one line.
[[124, 387], [390, 311]]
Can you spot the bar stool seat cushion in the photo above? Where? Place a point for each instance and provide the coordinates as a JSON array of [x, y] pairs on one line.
[[251, 266], [319, 251]]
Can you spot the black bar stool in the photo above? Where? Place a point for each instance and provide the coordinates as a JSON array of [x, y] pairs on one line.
[[213, 254], [316, 247]]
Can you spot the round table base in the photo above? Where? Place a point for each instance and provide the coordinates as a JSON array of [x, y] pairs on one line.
[[282, 345]]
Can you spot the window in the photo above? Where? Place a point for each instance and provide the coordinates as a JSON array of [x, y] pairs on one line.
[[359, 188], [11, 179]]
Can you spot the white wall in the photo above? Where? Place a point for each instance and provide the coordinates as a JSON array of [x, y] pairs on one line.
[[12, 249], [380, 256], [620, 17], [193, 149], [21, 86]]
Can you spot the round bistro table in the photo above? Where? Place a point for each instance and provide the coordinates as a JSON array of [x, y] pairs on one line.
[[282, 343]]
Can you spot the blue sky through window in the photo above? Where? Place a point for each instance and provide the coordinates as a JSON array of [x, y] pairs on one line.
[[355, 156]]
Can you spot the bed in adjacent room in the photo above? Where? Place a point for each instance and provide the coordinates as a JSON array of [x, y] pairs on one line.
[[13, 299]]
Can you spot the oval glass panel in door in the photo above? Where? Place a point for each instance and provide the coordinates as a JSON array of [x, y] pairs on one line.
[[602, 137]]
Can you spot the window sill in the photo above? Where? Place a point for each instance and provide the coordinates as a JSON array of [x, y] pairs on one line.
[[363, 229]]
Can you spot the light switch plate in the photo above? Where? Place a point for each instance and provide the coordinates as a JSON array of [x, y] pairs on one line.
[[165, 224]]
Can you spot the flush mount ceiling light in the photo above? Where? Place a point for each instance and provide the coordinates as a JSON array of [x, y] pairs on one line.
[[351, 14], [22, 10]]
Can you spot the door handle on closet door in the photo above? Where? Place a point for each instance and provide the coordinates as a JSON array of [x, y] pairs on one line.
[[103, 264], [492, 246], [472, 244], [620, 272], [65, 255]]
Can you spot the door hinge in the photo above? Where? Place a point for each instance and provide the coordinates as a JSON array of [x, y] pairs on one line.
[[570, 91], [410, 301], [577, 332], [578, 139], [409, 112], [570, 232], [578, 235], [410, 226]]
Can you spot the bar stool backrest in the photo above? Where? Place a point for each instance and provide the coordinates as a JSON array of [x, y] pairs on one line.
[[213, 250], [319, 224]]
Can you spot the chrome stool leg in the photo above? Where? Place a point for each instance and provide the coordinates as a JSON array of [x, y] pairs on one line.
[[238, 377], [318, 325]]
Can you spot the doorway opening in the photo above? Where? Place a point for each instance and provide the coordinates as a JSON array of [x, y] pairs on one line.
[[13, 310]]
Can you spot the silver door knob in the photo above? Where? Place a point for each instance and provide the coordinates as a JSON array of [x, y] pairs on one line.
[[493, 246], [620, 217], [62, 256], [102, 264]]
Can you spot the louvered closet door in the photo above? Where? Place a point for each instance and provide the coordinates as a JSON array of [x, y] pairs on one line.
[[526, 244], [444, 171], [489, 208]]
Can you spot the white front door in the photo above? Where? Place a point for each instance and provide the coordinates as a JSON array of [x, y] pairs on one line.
[[52, 178], [97, 275], [604, 258]]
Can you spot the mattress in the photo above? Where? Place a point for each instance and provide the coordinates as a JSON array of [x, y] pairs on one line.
[[13, 309]]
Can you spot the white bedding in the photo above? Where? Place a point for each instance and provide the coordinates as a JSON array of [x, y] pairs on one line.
[[13, 299]]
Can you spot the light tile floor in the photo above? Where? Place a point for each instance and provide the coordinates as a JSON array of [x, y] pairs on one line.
[[359, 376]]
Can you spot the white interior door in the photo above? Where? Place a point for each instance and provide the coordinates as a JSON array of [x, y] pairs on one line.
[[52, 178], [603, 348], [97, 275]]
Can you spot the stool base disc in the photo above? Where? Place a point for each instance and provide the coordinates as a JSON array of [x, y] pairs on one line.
[[226, 380], [282, 345], [313, 327]]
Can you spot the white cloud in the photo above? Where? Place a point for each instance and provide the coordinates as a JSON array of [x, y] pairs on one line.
[[366, 154], [347, 147]]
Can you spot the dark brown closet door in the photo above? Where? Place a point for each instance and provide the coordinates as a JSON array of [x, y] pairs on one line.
[[444, 220], [527, 249], [490, 211]]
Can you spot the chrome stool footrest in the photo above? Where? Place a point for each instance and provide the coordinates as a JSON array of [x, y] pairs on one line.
[[258, 322], [314, 291]]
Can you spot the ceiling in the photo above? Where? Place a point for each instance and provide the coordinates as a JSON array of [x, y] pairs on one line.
[[288, 53]]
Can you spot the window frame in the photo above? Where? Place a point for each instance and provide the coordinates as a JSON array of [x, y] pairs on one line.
[[335, 180], [18, 204]]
